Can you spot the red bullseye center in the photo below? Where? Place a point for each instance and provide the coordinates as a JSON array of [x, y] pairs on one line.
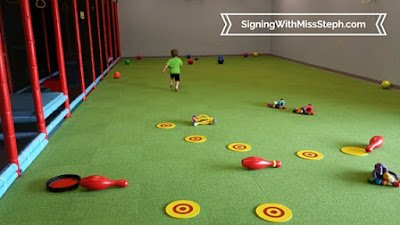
[[310, 154], [182, 208], [239, 147], [274, 212]]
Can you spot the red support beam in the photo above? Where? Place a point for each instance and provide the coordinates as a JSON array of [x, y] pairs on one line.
[[90, 40], [104, 31], [99, 35], [32, 63], [60, 52], [79, 48], [117, 25], [7, 122], [46, 42], [7, 61], [114, 28], [110, 52]]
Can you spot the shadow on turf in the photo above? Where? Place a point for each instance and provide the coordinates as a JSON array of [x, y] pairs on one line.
[[229, 167], [355, 176], [183, 122]]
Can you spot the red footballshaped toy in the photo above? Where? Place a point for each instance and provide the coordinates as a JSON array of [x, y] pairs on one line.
[[190, 61], [117, 75], [307, 110], [375, 142], [255, 163], [97, 182], [139, 57]]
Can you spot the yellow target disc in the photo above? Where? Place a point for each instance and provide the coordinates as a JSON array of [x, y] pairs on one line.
[[166, 125], [182, 209], [309, 154], [354, 151], [195, 139], [239, 147], [274, 212]]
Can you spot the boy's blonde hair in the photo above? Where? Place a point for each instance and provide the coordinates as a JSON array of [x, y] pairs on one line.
[[174, 52]]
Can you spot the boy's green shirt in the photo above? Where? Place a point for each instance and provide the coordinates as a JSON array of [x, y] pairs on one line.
[[174, 65]]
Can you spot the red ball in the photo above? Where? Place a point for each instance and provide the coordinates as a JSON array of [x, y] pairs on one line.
[[190, 61], [395, 184], [245, 54], [139, 57], [117, 75]]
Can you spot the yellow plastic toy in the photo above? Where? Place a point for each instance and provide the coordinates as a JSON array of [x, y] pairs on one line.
[[203, 119]]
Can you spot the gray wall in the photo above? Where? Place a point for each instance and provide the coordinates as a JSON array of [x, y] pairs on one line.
[[376, 58], [153, 27]]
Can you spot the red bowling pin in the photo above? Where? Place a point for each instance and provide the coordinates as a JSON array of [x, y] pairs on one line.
[[96, 182], [375, 142], [255, 163]]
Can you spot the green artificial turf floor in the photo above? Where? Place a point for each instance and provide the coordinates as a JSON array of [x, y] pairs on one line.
[[113, 133]]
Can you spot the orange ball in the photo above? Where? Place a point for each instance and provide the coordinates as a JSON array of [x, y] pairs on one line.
[[117, 75]]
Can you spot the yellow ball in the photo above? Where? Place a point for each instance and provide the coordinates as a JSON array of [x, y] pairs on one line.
[[255, 54], [385, 84]]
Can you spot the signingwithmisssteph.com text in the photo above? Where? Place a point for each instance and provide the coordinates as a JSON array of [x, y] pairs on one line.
[[303, 24], [290, 24]]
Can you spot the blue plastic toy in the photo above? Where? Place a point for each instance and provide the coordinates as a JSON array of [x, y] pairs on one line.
[[278, 104], [220, 60]]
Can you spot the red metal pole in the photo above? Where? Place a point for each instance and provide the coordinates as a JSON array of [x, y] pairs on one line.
[[46, 42], [7, 61], [33, 67], [114, 29], [79, 47], [60, 52], [104, 31], [109, 30], [98, 35], [7, 122], [117, 25], [90, 40]]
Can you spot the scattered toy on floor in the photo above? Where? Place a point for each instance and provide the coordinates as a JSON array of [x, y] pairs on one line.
[[278, 104], [307, 110]]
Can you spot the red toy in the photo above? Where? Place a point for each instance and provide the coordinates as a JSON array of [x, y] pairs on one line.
[[96, 182], [255, 163], [117, 75], [308, 110], [139, 57], [190, 61], [375, 142]]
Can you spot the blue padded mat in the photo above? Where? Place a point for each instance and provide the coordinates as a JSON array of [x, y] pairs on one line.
[[23, 109]]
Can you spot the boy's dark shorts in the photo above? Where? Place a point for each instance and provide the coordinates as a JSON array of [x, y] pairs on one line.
[[175, 76]]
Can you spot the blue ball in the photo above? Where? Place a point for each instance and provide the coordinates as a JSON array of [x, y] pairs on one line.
[[220, 60], [188, 56]]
